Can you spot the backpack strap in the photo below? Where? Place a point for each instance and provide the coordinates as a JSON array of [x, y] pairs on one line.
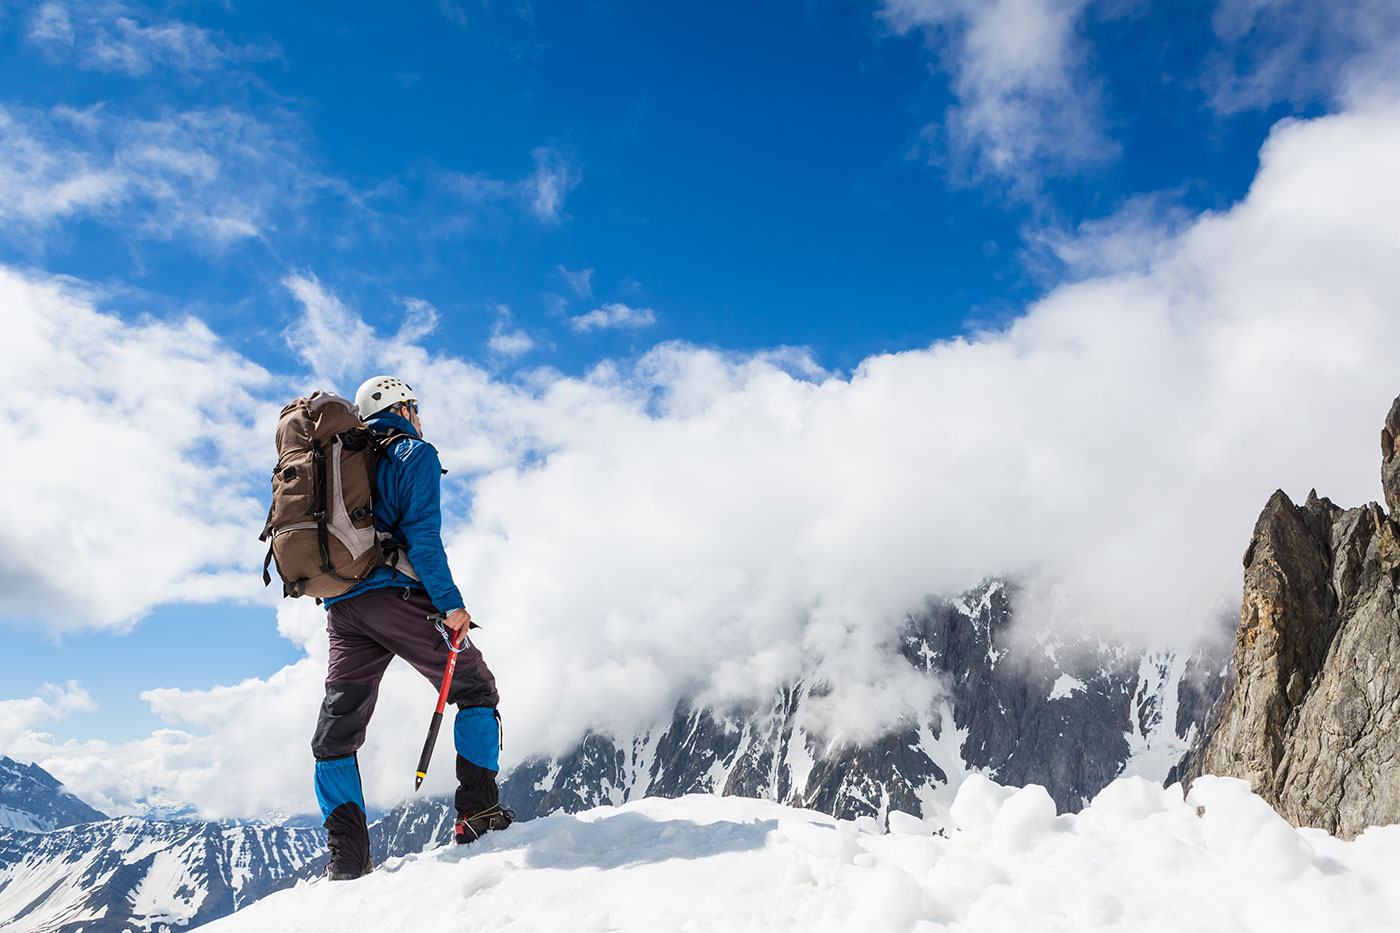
[[381, 443], [318, 512], [267, 534]]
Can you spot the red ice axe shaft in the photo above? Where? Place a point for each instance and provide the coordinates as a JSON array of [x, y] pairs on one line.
[[456, 645]]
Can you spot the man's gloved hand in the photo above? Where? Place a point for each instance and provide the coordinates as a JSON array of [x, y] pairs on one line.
[[457, 620]]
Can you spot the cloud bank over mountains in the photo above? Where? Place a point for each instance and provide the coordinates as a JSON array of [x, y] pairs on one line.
[[698, 521]]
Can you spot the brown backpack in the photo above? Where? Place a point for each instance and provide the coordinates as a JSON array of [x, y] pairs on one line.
[[321, 523]]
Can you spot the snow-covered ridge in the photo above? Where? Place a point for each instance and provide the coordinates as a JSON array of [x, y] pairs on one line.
[[33, 800], [1137, 858], [136, 874]]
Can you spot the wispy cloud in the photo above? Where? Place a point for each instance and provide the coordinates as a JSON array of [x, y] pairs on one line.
[[454, 13], [1027, 105], [126, 38], [333, 343], [555, 176], [1301, 52], [580, 282], [420, 319], [219, 175], [612, 316], [541, 193]]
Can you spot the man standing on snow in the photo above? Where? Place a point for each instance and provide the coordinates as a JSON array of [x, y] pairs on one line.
[[386, 615]]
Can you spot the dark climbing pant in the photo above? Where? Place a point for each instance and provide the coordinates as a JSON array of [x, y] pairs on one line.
[[366, 633]]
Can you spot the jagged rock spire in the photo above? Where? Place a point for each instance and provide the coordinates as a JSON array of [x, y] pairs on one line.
[[1312, 718], [1390, 461]]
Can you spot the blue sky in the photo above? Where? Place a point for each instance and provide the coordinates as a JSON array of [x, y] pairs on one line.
[[756, 174], [514, 195]]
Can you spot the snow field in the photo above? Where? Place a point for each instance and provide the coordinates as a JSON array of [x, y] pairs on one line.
[[1140, 857]]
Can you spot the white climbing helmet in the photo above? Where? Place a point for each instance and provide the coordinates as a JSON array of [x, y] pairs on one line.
[[381, 392]]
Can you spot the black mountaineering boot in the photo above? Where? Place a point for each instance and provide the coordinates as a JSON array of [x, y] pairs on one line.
[[478, 804], [347, 836], [472, 826]]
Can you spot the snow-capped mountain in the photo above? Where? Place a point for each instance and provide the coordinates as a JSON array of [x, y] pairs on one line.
[[66, 867], [1068, 716], [32, 799], [136, 874]]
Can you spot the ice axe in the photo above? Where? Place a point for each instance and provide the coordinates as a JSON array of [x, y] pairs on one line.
[[454, 645]]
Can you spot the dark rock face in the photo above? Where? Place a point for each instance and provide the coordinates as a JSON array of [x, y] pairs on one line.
[[32, 799], [1390, 459], [1069, 716], [1310, 717]]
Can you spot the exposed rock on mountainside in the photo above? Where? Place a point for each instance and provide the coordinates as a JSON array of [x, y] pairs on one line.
[[1311, 717], [1069, 716], [135, 874], [32, 799]]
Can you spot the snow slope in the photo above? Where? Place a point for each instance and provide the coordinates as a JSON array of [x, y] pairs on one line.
[[1138, 858]]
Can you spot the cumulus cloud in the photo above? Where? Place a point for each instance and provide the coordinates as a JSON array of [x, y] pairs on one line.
[[139, 446], [1027, 105], [611, 316], [694, 522], [711, 523], [507, 341], [18, 717]]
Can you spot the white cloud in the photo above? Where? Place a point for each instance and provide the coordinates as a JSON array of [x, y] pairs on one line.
[[477, 188], [580, 282], [130, 471], [125, 38], [613, 315], [555, 176], [1299, 51], [420, 320], [1141, 232], [701, 522], [330, 340], [18, 717], [219, 175], [1027, 105], [242, 750], [507, 341], [541, 193], [50, 23]]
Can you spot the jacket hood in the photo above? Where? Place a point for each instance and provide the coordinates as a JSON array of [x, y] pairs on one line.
[[388, 421]]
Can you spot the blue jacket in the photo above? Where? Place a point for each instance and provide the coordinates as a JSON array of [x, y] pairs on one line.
[[408, 504]]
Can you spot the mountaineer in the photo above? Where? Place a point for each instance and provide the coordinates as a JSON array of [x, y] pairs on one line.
[[386, 615]]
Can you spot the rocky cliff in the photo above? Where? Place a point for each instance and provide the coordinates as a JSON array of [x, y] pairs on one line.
[[1310, 718]]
